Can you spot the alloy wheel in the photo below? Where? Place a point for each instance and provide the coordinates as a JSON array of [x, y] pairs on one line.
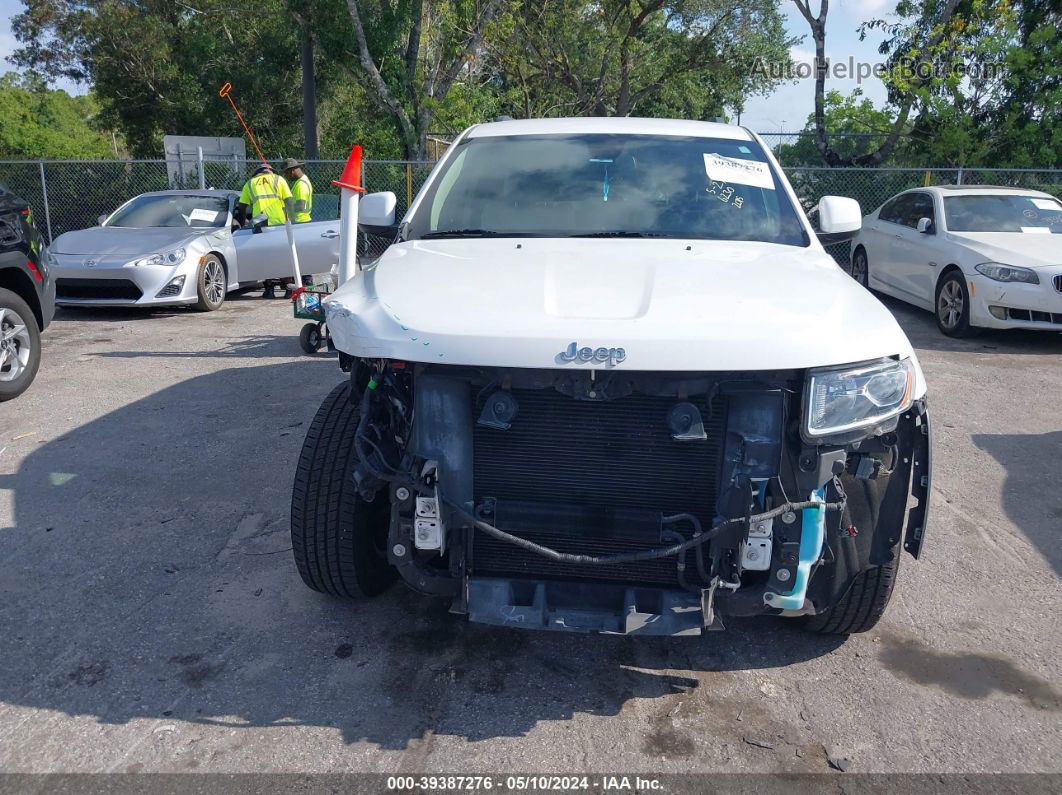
[[214, 281], [950, 304], [859, 268], [14, 345]]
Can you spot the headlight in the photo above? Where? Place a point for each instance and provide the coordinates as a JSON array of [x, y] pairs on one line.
[[846, 399], [165, 258], [999, 272], [51, 260]]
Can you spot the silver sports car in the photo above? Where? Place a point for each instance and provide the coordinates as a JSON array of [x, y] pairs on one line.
[[180, 247]]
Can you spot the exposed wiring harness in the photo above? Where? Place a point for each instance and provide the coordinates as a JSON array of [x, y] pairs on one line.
[[700, 536], [648, 554]]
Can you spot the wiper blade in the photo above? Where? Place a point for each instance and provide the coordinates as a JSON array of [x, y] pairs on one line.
[[472, 233], [621, 233]]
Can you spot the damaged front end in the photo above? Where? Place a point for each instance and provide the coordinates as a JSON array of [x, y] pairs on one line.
[[644, 502]]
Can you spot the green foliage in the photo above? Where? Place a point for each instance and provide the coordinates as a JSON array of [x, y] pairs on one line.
[[346, 116], [854, 125], [36, 122], [156, 65], [686, 58], [427, 65], [996, 98]]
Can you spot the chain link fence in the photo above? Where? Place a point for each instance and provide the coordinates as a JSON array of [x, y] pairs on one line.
[[71, 194]]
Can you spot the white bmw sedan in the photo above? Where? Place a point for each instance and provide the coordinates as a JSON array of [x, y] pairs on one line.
[[976, 256], [172, 248]]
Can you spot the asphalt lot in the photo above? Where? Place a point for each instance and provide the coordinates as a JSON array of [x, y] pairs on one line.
[[152, 620]]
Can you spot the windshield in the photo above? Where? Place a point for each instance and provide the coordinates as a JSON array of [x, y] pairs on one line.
[[180, 211], [1001, 213], [608, 185]]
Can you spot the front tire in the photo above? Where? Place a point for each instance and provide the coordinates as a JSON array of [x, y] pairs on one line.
[[952, 303], [20, 345], [211, 284], [863, 606], [338, 539]]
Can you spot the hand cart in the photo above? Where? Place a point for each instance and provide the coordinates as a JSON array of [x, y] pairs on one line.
[[306, 304]]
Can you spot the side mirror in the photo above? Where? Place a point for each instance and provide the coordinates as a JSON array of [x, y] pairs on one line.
[[840, 219], [101, 219], [258, 223], [377, 209], [925, 226]]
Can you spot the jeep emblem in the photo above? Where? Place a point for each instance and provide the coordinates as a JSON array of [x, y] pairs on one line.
[[609, 357]]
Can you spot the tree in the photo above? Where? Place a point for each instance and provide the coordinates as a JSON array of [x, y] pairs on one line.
[[854, 126], [620, 57], [1005, 106], [156, 65], [412, 53], [36, 122], [928, 45]]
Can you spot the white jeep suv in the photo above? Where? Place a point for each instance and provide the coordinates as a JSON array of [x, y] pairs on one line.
[[607, 379]]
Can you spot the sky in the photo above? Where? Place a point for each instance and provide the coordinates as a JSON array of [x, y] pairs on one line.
[[786, 109], [8, 43]]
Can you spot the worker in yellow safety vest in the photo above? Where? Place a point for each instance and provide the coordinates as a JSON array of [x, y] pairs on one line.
[[301, 189], [265, 193]]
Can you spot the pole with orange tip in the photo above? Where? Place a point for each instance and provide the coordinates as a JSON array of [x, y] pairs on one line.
[[350, 187]]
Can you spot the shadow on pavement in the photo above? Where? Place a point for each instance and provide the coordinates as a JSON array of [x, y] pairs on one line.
[[98, 314], [1035, 510], [148, 575], [262, 347]]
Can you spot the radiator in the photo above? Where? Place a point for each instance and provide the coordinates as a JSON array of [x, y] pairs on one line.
[[595, 463]]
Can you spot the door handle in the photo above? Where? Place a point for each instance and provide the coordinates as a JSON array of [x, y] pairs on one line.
[[897, 235], [330, 234]]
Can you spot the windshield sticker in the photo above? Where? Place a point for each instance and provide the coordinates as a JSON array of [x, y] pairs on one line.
[[724, 193], [1036, 230], [1047, 204], [203, 215], [743, 172]]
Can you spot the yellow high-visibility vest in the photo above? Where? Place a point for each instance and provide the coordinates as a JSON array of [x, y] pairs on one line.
[[302, 191], [265, 194]]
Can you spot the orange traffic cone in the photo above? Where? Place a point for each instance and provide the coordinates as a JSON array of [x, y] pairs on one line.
[[351, 176]]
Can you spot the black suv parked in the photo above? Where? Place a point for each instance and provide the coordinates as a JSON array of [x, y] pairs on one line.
[[27, 295]]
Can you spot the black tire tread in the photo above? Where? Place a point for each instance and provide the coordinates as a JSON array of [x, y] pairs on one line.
[[203, 304], [325, 506], [863, 606], [309, 338]]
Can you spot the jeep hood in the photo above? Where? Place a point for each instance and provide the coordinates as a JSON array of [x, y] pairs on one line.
[[670, 304]]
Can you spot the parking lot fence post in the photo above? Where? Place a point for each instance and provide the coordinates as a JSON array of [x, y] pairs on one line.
[[199, 167], [958, 177], [44, 194]]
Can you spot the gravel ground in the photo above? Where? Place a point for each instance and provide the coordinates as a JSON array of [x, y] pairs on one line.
[[152, 620]]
